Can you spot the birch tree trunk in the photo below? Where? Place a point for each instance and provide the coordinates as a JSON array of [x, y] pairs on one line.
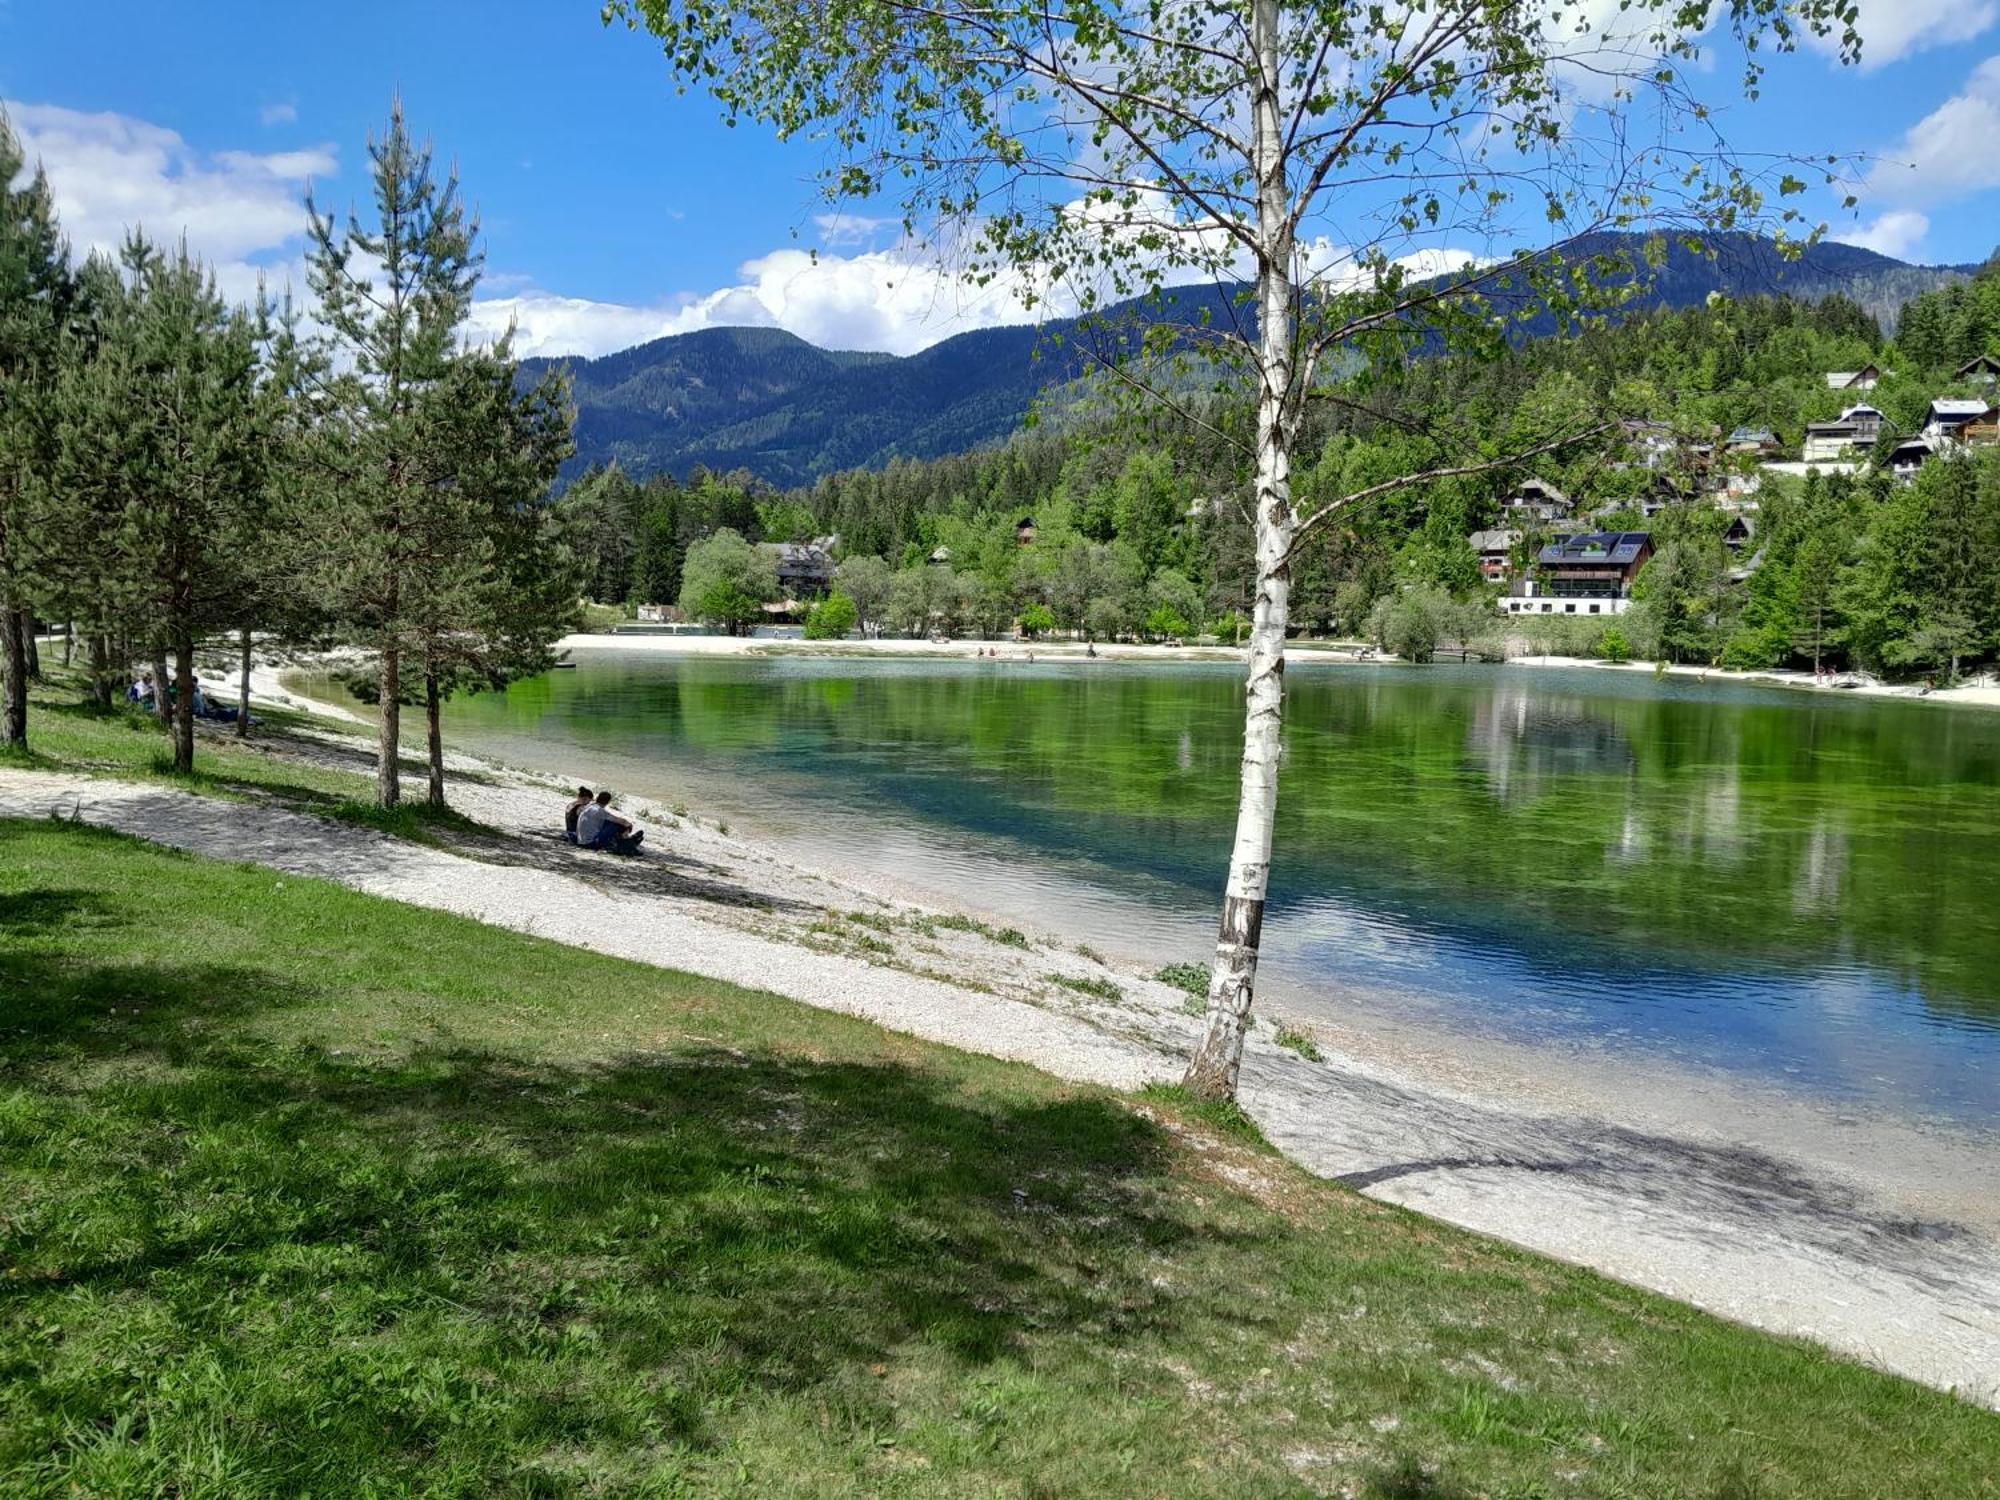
[[1212, 1071], [243, 689]]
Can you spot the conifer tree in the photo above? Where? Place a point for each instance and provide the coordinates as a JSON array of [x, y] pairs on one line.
[[36, 292], [162, 434], [500, 581], [394, 294]]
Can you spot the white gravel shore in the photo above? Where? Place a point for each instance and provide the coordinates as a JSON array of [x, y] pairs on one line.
[[1791, 1246]]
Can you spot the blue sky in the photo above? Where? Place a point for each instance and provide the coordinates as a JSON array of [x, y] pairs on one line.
[[615, 210]]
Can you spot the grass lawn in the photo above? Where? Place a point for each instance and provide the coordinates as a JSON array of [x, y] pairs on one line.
[[68, 732], [307, 1193]]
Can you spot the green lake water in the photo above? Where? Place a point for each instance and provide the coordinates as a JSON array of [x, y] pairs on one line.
[[1792, 886]]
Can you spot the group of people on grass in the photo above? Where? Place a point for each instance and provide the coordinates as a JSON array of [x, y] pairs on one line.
[[145, 693], [589, 823]]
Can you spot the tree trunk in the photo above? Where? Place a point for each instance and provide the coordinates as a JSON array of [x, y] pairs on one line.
[[184, 705], [69, 640], [243, 690], [14, 677], [434, 738], [388, 741], [34, 648], [101, 687], [162, 701], [1212, 1071]]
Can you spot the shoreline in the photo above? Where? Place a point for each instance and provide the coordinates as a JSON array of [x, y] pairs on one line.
[[1316, 654], [1868, 1234]]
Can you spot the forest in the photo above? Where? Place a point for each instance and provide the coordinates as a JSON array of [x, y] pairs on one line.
[[1139, 530]]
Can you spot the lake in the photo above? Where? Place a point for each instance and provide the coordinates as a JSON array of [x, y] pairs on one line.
[[1790, 886]]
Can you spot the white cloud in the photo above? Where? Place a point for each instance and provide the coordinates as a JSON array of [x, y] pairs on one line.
[[278, 114], [1896, 233], [241, 211], [1947, 154], [1891, 29]]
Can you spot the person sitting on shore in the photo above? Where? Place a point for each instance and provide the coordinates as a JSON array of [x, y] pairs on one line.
[[598, 827], [141, 691], [583, 799]]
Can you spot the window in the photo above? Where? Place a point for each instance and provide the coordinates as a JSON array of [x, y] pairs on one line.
[[1593, 609], [1569, 609], [1547, 607]]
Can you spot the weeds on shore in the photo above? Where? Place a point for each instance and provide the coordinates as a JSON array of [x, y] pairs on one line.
[[1300, 1042], [1101, 989]]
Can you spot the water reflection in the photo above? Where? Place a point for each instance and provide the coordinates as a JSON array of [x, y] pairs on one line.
[[1772, 882]]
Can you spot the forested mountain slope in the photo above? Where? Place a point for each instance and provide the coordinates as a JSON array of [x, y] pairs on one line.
[[763, 400]]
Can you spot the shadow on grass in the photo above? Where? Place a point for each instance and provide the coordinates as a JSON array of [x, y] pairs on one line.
[[605, 1255]]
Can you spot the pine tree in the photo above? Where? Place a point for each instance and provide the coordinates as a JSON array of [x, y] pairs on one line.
[[163, 435], [500, 581], [36, 294], [394, 295]]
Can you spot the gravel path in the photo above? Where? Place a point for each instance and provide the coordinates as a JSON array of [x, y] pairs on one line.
[[1743, 1234]]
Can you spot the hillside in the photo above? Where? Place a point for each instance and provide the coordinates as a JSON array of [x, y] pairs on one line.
[[764, 400]]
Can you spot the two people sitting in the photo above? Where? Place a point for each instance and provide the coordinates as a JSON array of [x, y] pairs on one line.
[[590, 823], [144, 693]]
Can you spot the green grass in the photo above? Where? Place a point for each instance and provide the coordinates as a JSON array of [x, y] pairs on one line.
[[1300, 1042], [67, 732], [306, 1193], [1191, 978], [1102, 989]]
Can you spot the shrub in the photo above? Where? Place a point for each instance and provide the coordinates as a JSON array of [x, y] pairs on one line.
[[1613, 646], [1037, 619], [831, 619]]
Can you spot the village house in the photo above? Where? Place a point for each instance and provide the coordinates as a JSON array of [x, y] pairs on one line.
[[1496, 552], [805, 569], [1981, 369], [1757, 440], [1857, 427], [1911, 455], [1587, 574], [1538, 500], [1863, 379], [1024, 531], [1950, 415]]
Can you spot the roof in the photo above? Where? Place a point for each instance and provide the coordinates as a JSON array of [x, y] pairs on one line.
[[1958, 406], [802, 555], [1860, 409], [1978, 362], [1831, 428], [1496, 540], [1595, 548], [1840, 380], [1753, 435]]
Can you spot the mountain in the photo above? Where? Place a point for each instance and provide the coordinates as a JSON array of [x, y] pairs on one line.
[[764, 400]]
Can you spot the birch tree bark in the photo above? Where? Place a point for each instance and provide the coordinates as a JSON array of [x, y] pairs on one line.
[[1212, 1070]]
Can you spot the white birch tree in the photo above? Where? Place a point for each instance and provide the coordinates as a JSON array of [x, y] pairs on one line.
[[1381, 176]]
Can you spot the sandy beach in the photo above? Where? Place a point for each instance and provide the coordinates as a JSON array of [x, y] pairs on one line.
[[1879, 1238]]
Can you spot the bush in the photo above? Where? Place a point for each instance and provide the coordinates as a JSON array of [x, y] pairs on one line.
[[831, 619], [1165, 623], [1037, 619], [1613, 646]]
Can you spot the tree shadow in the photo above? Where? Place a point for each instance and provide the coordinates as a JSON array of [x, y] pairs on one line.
[[699, 1224]]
